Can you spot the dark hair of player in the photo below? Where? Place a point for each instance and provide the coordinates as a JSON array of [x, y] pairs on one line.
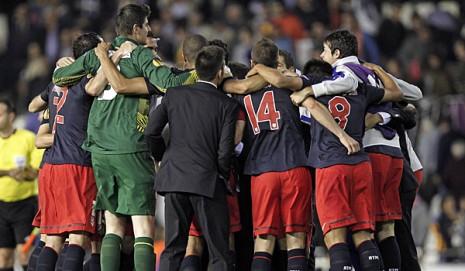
[[344, 41], [84, 43], [265, 52], [223, 45], [288, 59], [317, 68], [129, 16], [208, 62], [10, 107], [192, 45], [239, 70]]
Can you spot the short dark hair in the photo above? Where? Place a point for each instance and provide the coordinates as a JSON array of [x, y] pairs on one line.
[[131, 15], [239, 70], [10, 107], [265, 52], [192, 45], [223, 45], [344, 41], [288, 59], [209, 61], [84, 43], [317, 68]]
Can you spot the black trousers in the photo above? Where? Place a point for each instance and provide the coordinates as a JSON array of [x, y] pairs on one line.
[[403, 228], [213, 218]]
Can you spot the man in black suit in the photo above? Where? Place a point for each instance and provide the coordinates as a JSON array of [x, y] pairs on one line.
[[197, 161]]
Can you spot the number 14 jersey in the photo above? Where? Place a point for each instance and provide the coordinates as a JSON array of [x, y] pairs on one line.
[[274, 132]]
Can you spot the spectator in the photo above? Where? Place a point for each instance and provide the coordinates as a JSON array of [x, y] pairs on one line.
[[454, 173], [445, 222], [457, 68], [391, 32], [436, 80]]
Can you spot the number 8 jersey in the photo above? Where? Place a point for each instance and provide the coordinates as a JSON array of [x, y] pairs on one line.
[[349, 111], [274, 132]]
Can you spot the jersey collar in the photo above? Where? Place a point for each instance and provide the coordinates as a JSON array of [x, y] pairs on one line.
[[121, 39], [347, 59]]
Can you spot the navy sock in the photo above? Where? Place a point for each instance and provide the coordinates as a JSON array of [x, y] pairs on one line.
[[381, 261], [191, 263], [391, 253], [261, 261], [94, 262], [61, 258], [47, 259], [296, 260], [339, 258], [370, 260], [311, 259], [281, 261], [74, 258], [32, 264]]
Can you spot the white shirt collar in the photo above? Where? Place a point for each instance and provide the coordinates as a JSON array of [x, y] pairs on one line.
[[207, 82], [347, 59]]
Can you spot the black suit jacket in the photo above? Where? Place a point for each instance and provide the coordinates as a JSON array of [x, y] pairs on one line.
[[202, 124]]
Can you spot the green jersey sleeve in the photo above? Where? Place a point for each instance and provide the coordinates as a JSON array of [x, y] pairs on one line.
[[88, 63], [159, 75]]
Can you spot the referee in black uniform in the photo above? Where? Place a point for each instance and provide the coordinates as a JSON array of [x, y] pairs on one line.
[[195, 166]]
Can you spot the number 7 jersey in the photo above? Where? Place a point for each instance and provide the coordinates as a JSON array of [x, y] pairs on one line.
[[274, 132]]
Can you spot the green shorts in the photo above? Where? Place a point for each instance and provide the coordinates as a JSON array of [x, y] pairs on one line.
[[124, 183]]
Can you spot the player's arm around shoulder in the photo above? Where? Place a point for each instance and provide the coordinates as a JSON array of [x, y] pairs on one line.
[[276, 78], [342, 81], [88, 63], [392, 92], [158, 74]]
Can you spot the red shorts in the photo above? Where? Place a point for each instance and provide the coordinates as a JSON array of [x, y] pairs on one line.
[[36, 221], [281, 202], [67, 193], [387, 174], [419, 175], [344, 197], [234, 215]]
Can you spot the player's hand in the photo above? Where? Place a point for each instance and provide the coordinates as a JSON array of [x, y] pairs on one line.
[[102, 50], [349, 143], [299, 97], [65, 61], [372, 66], [289, 73], [126, 48], [252, 72], [17, 174]]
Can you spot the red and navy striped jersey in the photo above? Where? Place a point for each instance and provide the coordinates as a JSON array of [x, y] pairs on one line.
[[349, 111], [69, 112], [274, 132]]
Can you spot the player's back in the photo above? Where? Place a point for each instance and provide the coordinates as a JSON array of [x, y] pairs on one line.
[[69, 113], [349, 112], [274, 132]]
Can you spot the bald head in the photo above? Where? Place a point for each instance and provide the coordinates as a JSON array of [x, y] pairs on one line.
[[191, 46]]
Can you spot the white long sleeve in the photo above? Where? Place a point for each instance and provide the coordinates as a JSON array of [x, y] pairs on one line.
[[410, 91], [342, 81]]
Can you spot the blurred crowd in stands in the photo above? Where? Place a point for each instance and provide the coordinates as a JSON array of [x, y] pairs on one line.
[[422, 42]]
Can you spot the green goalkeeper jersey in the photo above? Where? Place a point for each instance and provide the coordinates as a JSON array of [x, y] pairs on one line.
[[117, 122]]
